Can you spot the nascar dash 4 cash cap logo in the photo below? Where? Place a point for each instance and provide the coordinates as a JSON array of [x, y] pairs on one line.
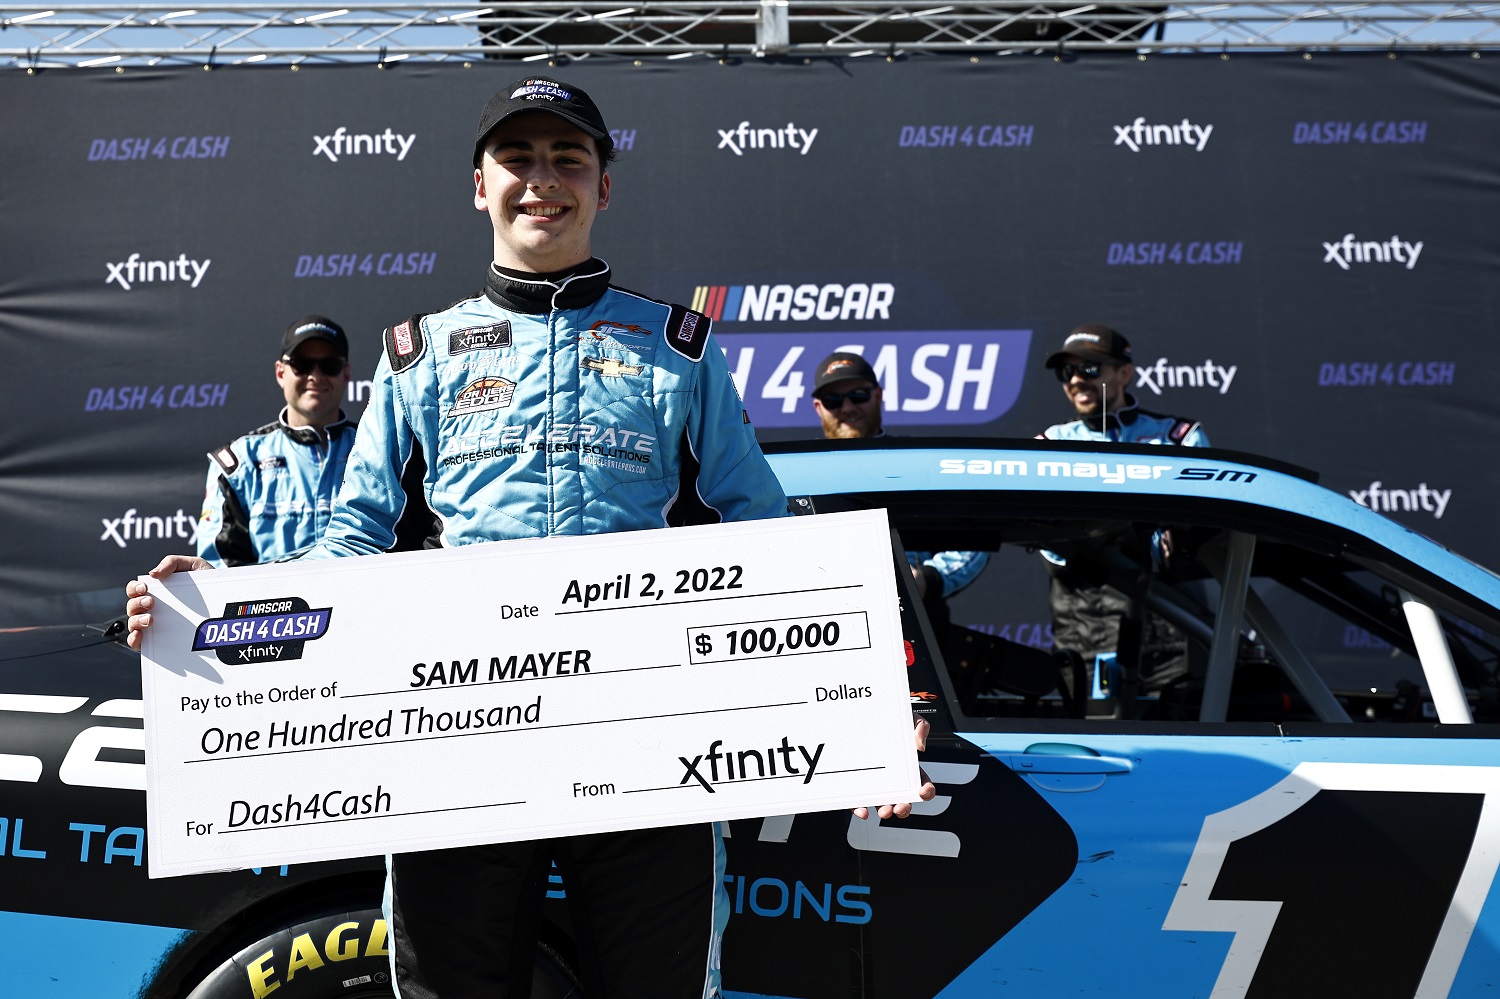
[[271, 630]]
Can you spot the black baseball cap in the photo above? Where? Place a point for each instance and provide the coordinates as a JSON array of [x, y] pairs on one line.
[[314, 328], [1093, 342], [842, 366], [538, 93]]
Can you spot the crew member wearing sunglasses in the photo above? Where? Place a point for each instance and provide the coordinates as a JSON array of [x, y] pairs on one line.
[[846, 397], [1095, 368], [270, 492]]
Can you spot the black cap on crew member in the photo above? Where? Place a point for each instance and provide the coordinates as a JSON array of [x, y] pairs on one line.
[[314, 328], [1093, 342]]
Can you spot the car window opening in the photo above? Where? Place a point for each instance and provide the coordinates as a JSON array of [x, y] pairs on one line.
[[1132, 612]]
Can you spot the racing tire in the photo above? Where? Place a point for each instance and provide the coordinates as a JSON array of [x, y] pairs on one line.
[[344, 955]]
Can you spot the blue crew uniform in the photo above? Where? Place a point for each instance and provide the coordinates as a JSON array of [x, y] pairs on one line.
[[1131, 425], [270, 493], [1086, 614]]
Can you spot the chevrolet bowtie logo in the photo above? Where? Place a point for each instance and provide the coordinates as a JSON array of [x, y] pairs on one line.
[[610, 368]]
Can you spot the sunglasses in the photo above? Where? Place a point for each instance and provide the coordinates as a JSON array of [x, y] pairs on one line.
[[833, 400], [1089, 372], [331, 367]]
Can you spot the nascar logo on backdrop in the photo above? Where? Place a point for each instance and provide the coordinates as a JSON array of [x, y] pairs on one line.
[[926, 376]]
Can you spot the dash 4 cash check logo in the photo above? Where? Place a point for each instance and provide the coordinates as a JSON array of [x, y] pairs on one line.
[[272, 630]]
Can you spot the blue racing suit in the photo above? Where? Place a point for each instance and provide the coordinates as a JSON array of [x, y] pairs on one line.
[[539, 409], [1086, 613], [1131, 425], [553, 405], [270, 493]]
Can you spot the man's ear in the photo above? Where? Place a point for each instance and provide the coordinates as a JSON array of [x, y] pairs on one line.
[[604, 190]]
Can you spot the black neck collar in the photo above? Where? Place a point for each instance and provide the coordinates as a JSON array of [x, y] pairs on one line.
[[312, 435], [534, 294]]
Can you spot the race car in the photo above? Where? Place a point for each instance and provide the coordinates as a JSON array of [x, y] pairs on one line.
[[1279, 779]]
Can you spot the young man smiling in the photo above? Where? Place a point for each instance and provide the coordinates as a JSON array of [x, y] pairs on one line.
[[552, 404]]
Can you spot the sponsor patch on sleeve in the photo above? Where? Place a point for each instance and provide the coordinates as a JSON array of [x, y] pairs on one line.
[[687, 332], [404, 344], [1181, 429], [226, 458]]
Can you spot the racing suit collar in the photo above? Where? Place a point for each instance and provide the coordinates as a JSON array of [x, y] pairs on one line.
[[310, 436], [1117, 419], [535, 294]]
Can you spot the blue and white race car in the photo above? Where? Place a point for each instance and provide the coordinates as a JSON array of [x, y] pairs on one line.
[[1270, 771]]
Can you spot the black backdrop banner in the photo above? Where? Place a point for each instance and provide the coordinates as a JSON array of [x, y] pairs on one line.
[[1303, 252]]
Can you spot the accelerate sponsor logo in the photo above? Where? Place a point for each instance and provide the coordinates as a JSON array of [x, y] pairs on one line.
[[597, 444], [744, 137], [391, 264], [133, 270], [484, 394], [1383, 499], [1367, 373], [1150, 254], [132, 526], [1352, 250], [789, 303], [952, 136], [1138, 134], [207, 395], [927, 376], [175, 147], [262, 631], [342, 142], [1343, 133], [1165, 374]]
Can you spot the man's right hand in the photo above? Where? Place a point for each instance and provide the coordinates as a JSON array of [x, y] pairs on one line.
[[139, 602]]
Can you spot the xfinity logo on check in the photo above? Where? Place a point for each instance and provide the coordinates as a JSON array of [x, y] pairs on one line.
[[1165, 374], [737, 140], [1350, 250], [734, 765], [345, 143], [132, 271], [1184, 133]]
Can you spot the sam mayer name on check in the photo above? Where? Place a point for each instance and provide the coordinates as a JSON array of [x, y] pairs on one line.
[[399, 723]]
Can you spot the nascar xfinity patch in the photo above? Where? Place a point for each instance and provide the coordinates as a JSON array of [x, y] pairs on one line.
[[480, 338]]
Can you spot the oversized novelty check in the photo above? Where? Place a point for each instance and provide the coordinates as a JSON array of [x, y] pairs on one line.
[[523, 689]]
